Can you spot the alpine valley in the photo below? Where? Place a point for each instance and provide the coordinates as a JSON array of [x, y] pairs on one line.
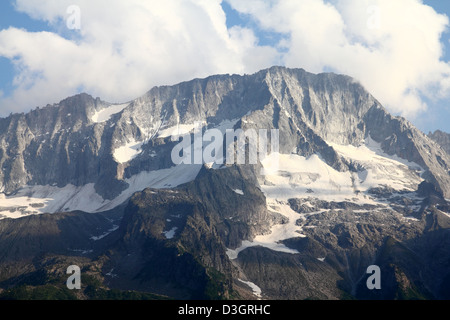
[[90, 183]]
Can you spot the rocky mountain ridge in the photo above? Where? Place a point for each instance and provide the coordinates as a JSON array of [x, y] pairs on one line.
[[302, 105]]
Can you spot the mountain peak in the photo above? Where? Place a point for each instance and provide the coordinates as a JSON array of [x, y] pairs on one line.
[[68, 145]]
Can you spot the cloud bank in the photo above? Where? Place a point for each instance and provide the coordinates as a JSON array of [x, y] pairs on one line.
[[123, 48], [392, 47]]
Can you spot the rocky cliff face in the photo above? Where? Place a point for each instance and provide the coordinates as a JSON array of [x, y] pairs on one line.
[[181, 236], [442, 139], [353, 186]]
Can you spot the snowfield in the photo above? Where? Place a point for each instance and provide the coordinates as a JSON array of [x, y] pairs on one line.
[[296, 177], [104, 115], [179, 130], [50, 199], [128, 152]]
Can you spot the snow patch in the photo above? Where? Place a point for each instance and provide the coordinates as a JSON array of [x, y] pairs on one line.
[[294, 176], [278, 233], [256, 290], [96, 238], [171, 233], [105, 114], [184, 129], [379, 168], [51, 199], [111, 274], [159, 179], [128, 152], [178, 130]]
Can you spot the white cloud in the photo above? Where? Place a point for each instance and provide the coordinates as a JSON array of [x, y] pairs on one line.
[[392, 47], [123, 49], [126, 47]]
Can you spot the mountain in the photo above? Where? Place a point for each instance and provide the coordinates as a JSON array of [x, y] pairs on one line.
[[442, 139], [95, 184]]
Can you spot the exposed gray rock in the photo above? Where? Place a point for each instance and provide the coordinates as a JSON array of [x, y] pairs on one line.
[[442, 139], [399, 137]]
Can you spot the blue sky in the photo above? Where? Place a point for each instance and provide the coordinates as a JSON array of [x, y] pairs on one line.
[[257, 37], [438, 117], [10, 17]]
